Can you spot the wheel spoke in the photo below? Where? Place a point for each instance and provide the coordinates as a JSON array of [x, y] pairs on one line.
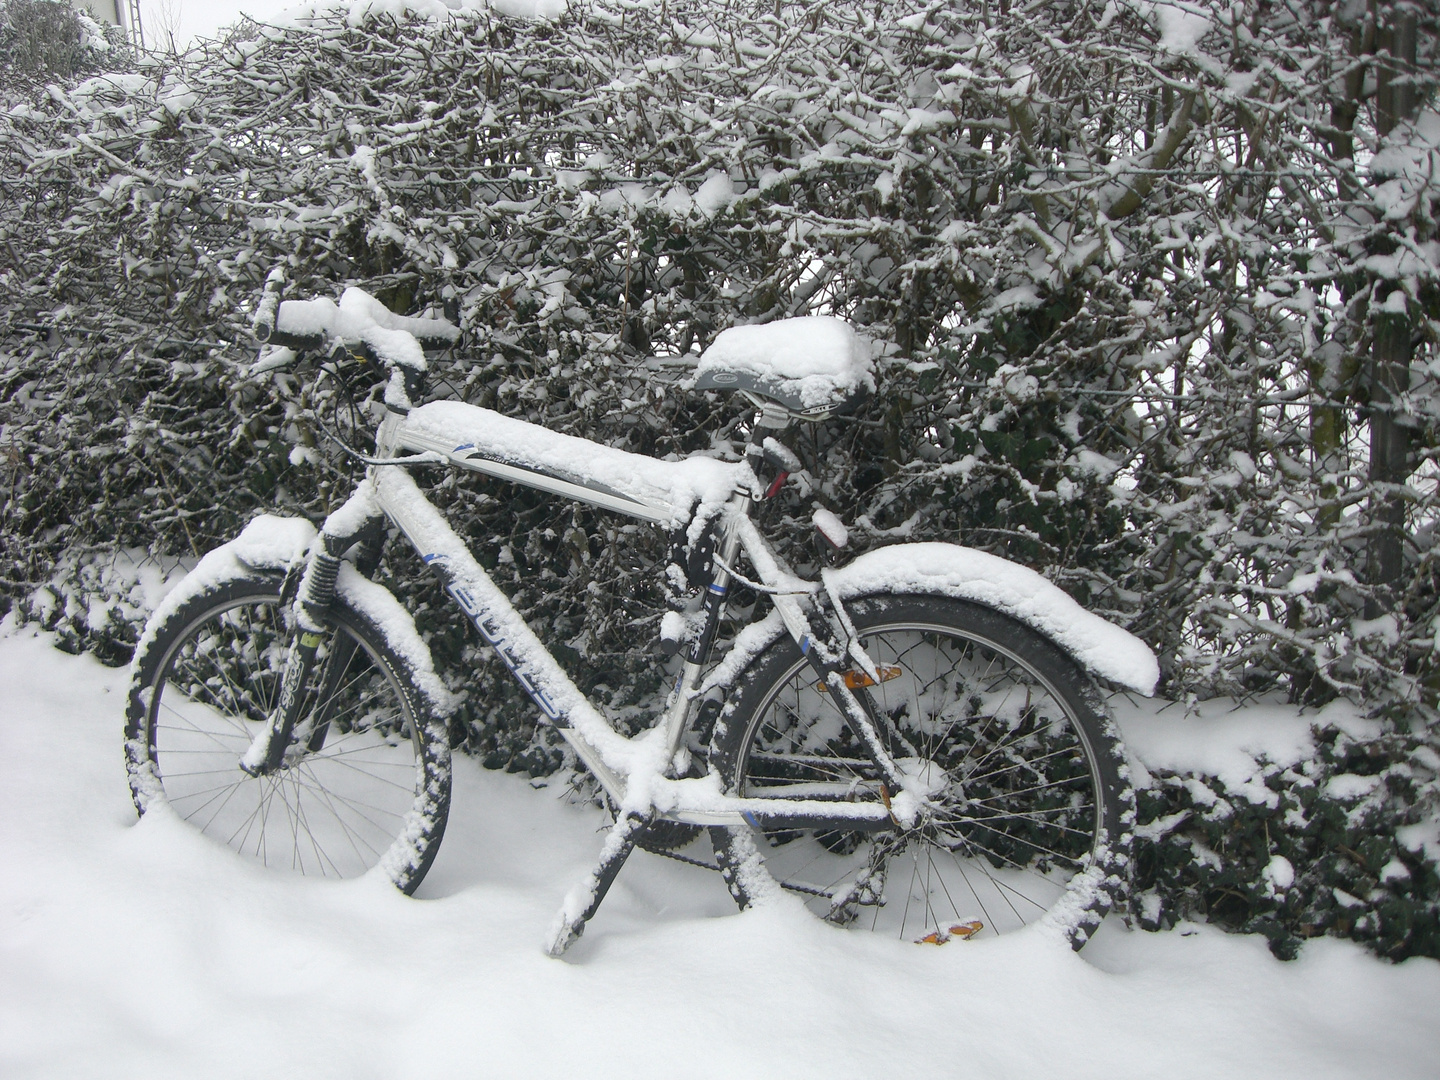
[[990, 717], [355, 804], [321, 857], [333, 812], [1027, 815], [231, 788], [991, 853], [351, 766], [350, 834], [1028, 763], [193, 728], [979, 900]]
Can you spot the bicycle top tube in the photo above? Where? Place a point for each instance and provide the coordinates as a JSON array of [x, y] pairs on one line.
[[665, 492]]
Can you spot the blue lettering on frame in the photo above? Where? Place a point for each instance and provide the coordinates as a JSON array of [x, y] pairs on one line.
[[491, 633]]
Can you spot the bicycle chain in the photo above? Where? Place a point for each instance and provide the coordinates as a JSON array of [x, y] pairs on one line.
[[808, 890]]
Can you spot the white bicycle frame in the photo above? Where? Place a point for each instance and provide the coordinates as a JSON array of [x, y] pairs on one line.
[[633, 772], [645, 777]]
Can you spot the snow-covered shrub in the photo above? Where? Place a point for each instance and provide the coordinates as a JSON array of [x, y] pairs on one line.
[[1340, 835], [99, 602], [42, 40], [1127, 264]]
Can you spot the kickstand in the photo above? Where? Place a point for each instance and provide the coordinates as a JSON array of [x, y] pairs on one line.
[[583, 901]]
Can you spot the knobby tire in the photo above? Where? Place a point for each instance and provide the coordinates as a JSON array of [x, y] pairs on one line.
[[1031, 814]]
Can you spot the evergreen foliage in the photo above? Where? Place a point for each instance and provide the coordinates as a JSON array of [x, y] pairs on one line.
[[1299, 849], [41, 40], [1129, 270]]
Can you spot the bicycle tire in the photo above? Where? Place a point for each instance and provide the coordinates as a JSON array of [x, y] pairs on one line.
[[371, 789], [1032, 814]]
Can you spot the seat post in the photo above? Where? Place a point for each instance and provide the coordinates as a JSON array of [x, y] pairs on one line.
[[773, 417]]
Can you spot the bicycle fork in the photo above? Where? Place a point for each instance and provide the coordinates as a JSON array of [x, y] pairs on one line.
[[289, 725]]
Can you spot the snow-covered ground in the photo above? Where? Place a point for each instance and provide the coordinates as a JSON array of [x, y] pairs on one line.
[[143, 951]]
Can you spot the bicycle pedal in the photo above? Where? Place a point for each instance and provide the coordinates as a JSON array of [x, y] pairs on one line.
[[964, 931]]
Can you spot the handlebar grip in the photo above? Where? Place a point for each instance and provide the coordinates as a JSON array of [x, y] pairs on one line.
[[263, 323], [267, 334], [305, 325], [305, 337], [300, 342]]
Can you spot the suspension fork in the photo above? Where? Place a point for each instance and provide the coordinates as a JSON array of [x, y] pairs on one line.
[[371, 543], [314, 598]]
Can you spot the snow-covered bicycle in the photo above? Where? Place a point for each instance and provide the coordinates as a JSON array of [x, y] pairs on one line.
[[914, 743]]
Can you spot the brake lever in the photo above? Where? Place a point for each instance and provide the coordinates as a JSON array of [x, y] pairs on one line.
[[273, 358]]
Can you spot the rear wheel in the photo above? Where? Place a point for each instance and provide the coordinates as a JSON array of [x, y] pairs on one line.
[[368, 786], [1027, 818]]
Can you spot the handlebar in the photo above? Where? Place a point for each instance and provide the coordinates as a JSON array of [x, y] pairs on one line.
[[441, 335], [268, 335], [393, 345], [359, 319]]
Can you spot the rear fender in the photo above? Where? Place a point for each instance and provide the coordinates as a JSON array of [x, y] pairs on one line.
[[1099, 646]]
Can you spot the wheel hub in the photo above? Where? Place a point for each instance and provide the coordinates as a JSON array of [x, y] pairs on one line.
[[928, 779]]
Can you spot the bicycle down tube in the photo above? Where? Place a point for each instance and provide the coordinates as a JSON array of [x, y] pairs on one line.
[[630, 770]]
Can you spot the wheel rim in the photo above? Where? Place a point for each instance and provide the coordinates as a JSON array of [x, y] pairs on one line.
[[1015, 808], [331, 812]]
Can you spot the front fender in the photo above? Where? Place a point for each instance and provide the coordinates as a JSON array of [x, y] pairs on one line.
[[268, 543], [951, 570], [278, 544]]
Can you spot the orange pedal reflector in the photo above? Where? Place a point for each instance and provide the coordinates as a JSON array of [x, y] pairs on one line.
[[964, 931], [854, 680]]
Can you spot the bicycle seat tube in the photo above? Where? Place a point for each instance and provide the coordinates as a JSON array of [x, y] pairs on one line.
[[770, 419]]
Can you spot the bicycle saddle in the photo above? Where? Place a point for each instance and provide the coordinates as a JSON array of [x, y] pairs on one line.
[[814, 366]]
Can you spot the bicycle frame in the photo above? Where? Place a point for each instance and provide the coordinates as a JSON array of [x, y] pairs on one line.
[[884, 782], [633, 772]]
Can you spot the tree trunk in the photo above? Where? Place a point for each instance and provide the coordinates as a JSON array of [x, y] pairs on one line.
[[1390, 352]]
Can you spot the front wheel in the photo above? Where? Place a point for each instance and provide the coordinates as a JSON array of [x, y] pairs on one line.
[[368, 786], [1027, 816]]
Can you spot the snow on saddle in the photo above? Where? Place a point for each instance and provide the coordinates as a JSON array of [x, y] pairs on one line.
[[813, 366]]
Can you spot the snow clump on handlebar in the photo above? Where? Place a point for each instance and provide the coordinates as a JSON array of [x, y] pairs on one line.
[[361, 319]]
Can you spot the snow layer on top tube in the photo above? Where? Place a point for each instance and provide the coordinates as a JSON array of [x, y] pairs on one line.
[[671, 486]]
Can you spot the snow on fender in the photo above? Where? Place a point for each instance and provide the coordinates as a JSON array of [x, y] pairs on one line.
[[271, 542], [966, 574], [267, 543]]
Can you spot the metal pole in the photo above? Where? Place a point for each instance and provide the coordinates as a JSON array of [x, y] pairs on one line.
[[133, 27]]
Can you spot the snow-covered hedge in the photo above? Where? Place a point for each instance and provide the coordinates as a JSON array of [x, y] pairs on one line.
[[44, 39], [1261, 819], [1130, 263]]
